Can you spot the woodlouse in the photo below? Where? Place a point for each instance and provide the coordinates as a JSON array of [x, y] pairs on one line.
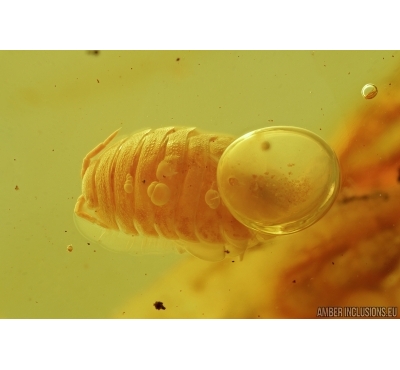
[[156, 190]]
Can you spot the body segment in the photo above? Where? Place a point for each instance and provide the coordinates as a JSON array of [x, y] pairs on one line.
[[162, 184]]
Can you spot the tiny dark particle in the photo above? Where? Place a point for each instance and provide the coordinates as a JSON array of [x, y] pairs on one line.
[[65, 231], [265, 145], [178, 59], [16, 187], [159, 305], [123, 313], [398, 175], [227, 252], [94, 250], [294, 281], [98, 81], [333, 263], [233, 261], [88, 243], [93, 52], [144, 181]]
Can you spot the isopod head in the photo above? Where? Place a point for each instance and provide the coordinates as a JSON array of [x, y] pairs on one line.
[[278, 180]]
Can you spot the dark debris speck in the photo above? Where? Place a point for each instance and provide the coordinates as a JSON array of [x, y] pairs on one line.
[[159, 305]]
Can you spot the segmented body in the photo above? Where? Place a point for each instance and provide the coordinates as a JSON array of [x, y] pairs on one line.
[[162, 183]]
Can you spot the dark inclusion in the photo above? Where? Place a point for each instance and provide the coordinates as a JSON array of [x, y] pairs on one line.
[[159, 305]]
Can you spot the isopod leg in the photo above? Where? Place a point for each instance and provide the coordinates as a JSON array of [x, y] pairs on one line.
[[79, 212], [95, 151]]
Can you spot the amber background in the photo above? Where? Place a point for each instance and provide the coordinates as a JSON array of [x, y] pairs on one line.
[[56, 105]]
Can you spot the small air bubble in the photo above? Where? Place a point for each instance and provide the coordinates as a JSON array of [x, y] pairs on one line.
[[369, 91]]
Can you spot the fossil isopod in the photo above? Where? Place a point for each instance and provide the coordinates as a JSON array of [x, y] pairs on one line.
[[208, 194]]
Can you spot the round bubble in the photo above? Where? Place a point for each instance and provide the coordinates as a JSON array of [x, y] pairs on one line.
[[369, 91], [278, 180]]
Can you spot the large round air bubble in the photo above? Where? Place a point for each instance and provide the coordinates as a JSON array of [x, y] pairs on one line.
[[278, 180]]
